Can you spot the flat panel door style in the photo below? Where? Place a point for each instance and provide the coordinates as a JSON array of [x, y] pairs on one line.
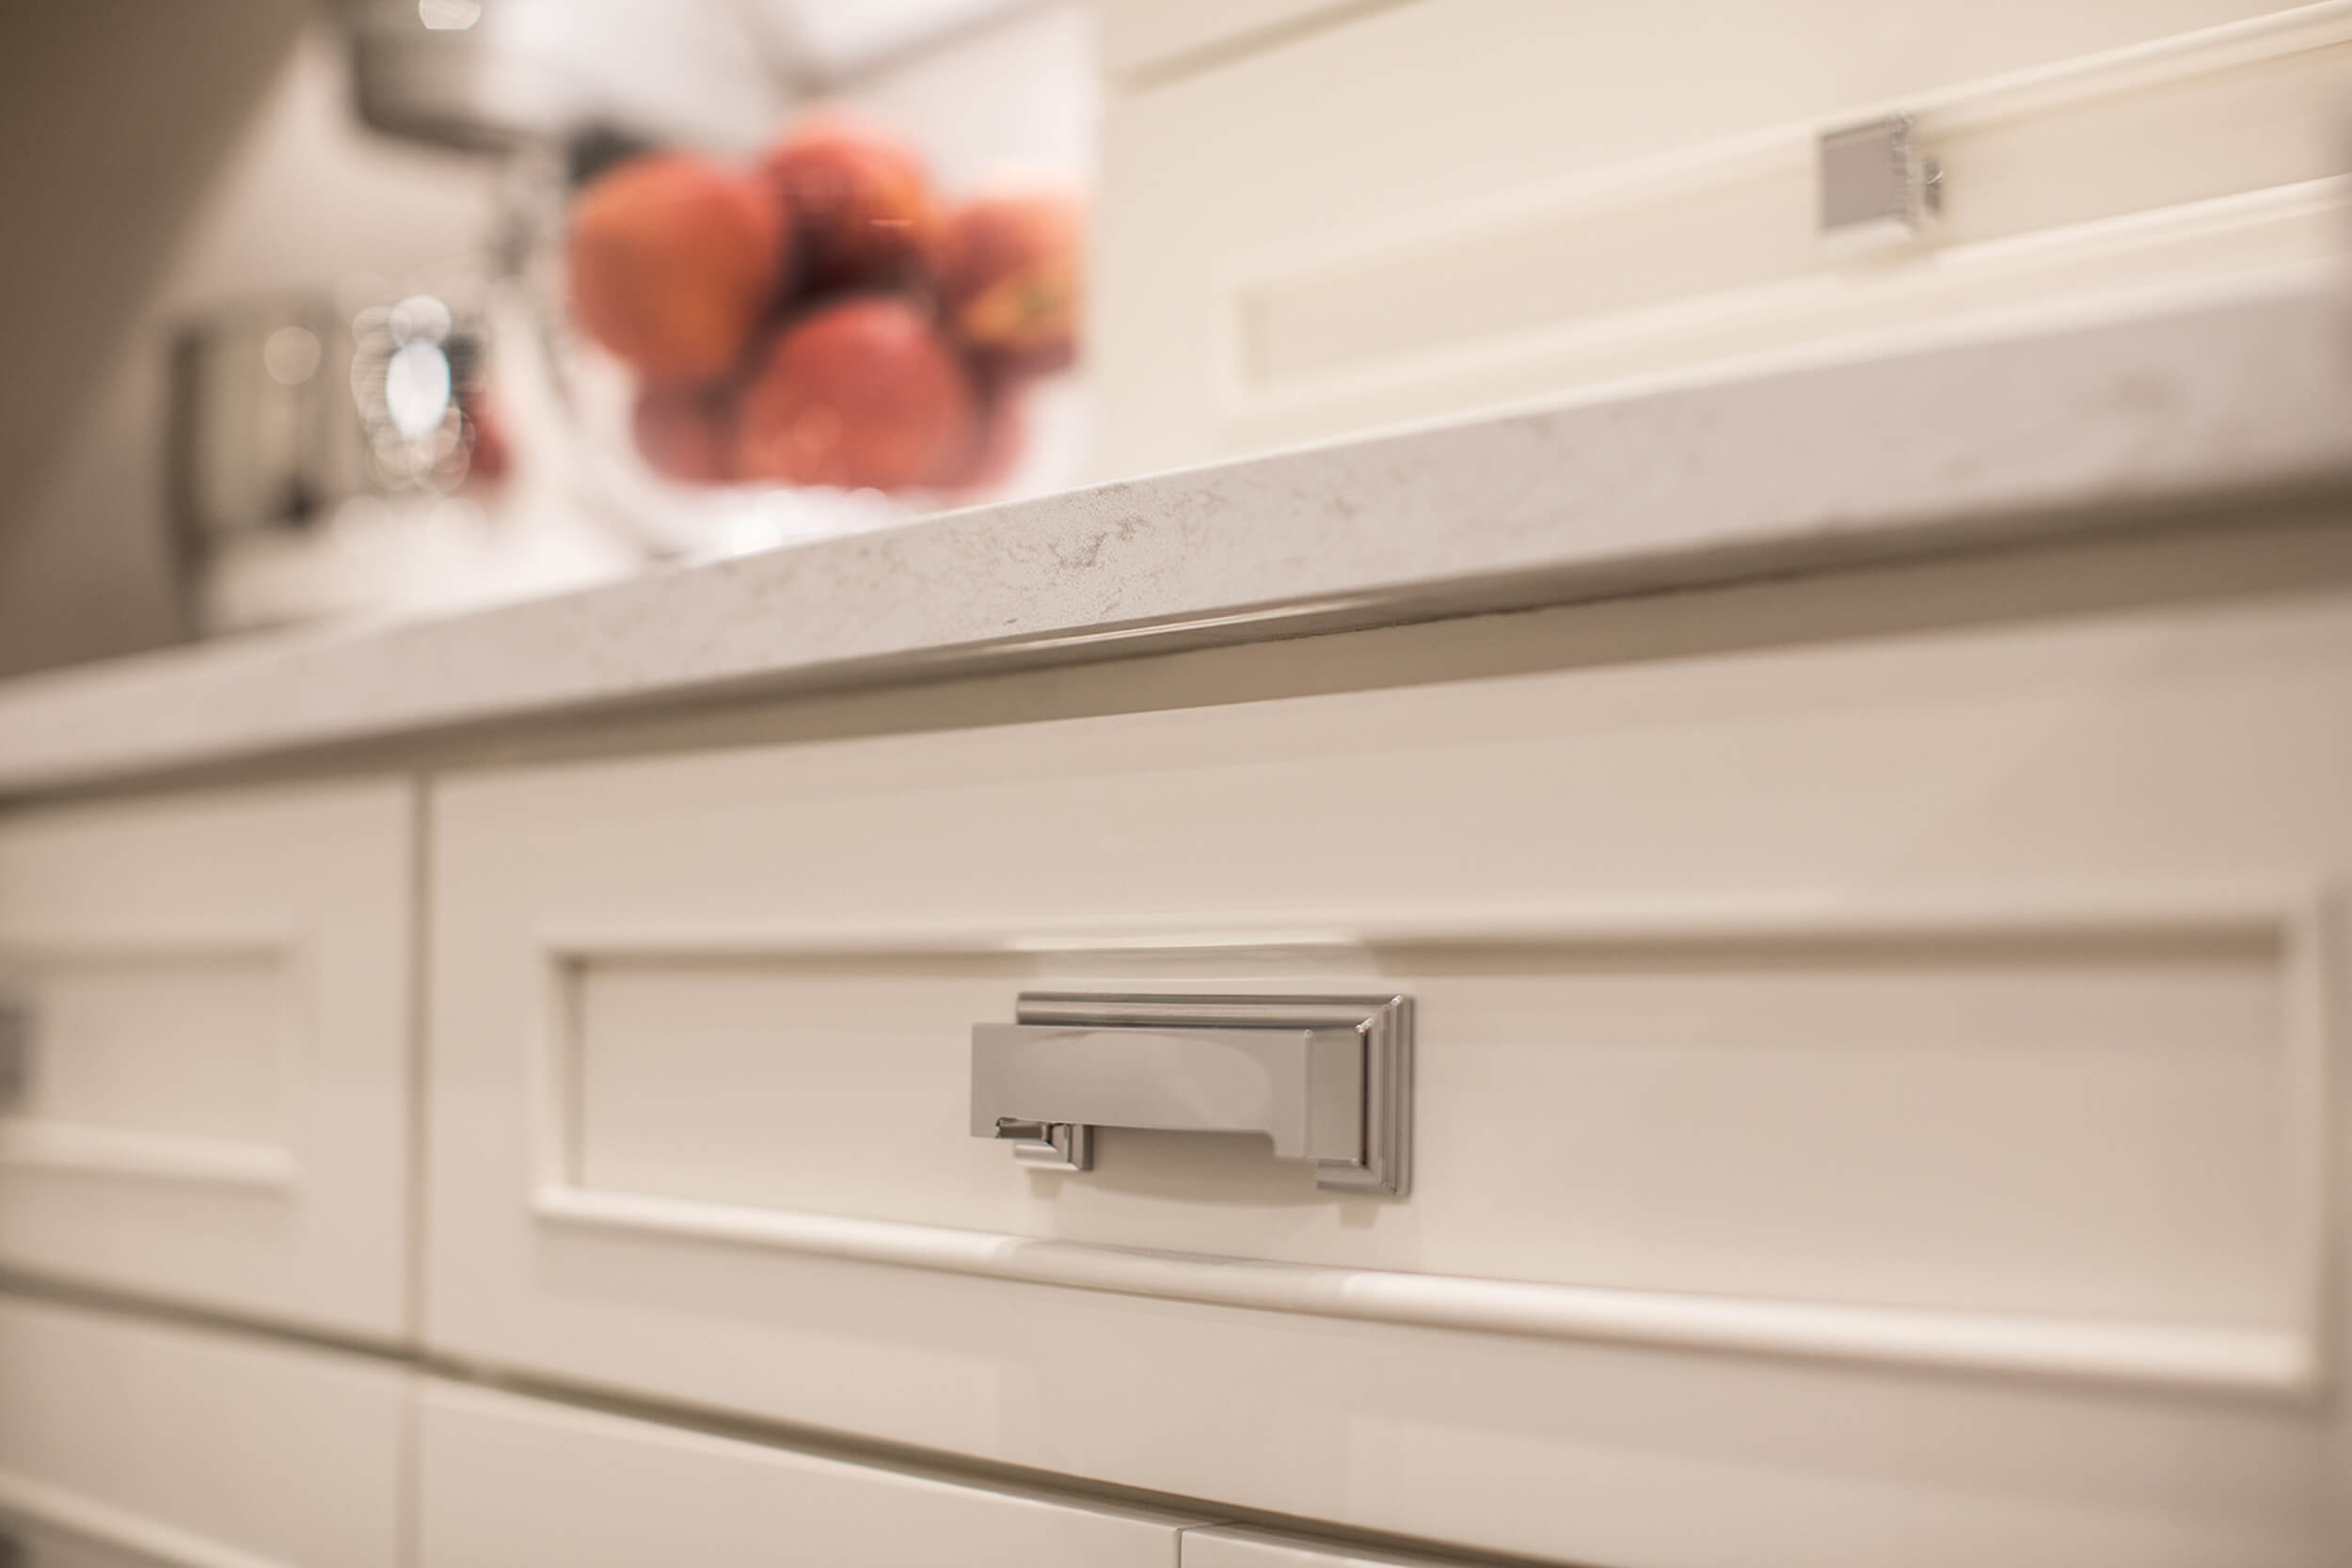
[[204, 1037], [506, 1480], [124, 1441], [1869, 1041]]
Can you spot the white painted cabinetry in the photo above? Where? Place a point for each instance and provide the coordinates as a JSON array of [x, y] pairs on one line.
[[207, 1050], [1319, 219], [125, 1441], [504, 1481], [1876, 1019], [1872, 1064]]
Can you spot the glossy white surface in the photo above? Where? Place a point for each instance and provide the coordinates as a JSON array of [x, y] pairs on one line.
[[215, 1105], [123, 1439], [1977, 430], [505, 1480], [1872, 1062]]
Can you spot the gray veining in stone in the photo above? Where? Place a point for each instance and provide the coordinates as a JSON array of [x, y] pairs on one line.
[[1968, 433]]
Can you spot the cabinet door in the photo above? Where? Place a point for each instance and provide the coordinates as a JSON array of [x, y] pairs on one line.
[[207, 1035], [126, 1441], [507, 1481]]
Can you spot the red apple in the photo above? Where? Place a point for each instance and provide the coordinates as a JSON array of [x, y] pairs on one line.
[[1011, 271], [861, 394], [859, 201], [673, 260], [987, 459], [489, 455], [684, 431]]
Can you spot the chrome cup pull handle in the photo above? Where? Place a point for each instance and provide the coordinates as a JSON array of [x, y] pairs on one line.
[[1326, 1079]]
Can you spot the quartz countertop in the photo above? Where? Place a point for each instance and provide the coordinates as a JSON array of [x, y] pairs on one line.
[[1995, 429]]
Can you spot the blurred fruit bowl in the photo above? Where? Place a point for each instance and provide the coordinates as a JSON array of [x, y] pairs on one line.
[[821, 320]]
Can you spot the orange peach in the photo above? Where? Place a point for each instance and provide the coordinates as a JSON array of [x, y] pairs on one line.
[[684, 431], [1010, 272], [859, 201], [673, 262], [861, 394]]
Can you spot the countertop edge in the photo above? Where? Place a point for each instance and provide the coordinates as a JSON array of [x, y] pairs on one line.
[[2041, 424]]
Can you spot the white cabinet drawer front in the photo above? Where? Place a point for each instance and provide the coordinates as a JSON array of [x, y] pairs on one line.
[[125, 1441], [186, 1044], [2096, 1121], [506, 1480], [208, 1088], [1429, 208], [1919, 1032]]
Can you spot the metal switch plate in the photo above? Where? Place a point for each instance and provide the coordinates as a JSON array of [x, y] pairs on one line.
[[1876, 187], [1325, 1077]]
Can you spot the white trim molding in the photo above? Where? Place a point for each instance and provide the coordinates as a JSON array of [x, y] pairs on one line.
[[45, 1145], [70, 1148], [72, 1513], [2284, 1359]]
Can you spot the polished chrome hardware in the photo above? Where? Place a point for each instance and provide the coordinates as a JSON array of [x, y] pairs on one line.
[[16, 1044], [1326, 1078], [1876, 187]]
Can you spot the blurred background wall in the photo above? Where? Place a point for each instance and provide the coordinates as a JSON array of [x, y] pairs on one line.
[[160, 160], [162, 156]]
